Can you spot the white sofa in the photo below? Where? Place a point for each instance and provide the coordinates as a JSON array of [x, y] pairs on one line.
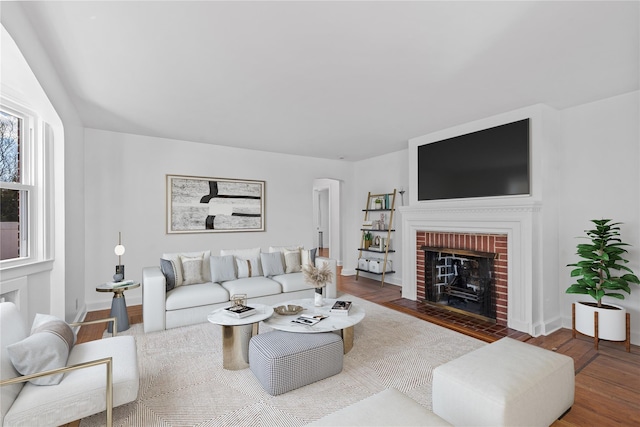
[[190, 304]]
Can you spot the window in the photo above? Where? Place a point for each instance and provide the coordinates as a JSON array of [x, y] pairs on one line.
[[17, 181]]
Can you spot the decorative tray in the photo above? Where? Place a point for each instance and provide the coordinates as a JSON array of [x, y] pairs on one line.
[[288, 310]]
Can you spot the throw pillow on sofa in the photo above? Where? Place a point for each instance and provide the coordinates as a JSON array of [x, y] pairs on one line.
[[248, 267], [47, 347], [292, 261], [191, 269], [223, 268], [168, 268], [175, 257], [308, 256], [272, 264]]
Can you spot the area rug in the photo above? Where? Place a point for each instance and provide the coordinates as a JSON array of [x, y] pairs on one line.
[[182, 382]]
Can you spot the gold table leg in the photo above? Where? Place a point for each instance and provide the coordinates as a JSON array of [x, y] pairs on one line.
[[347, 338], [235, 345]]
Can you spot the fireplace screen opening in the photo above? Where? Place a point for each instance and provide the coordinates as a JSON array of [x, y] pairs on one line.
[[461, 280]]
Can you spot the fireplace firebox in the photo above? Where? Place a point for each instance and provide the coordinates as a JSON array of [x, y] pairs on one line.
[[461, 280]]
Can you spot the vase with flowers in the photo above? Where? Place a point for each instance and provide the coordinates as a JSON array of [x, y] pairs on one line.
[[318, 277]]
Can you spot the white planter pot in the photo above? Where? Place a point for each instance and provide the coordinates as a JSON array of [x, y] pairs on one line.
[[612, 324]]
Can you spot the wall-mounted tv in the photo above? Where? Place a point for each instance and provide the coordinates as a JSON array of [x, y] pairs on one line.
[[489, 162]]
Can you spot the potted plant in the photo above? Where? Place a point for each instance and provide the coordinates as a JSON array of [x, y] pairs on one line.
[[600, 259], [367, 239]]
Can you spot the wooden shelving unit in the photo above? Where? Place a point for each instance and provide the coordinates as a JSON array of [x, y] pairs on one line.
[[371, 209]]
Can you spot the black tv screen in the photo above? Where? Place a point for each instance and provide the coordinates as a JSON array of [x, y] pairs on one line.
[[490, 162]]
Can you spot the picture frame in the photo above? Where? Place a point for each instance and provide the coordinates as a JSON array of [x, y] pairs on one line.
[[214, 205]]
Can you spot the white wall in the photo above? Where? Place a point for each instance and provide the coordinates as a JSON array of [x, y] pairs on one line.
[[376, 175], [31, 74], [124, 190], [600, 178]]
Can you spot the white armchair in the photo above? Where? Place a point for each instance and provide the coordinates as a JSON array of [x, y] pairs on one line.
[[98, 376]]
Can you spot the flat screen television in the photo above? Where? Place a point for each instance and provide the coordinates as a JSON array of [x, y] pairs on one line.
[[489, 162]]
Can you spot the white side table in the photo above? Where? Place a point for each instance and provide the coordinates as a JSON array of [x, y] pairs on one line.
[[236, 334]]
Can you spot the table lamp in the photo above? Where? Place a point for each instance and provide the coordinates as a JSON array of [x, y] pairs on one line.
[[119, 250]]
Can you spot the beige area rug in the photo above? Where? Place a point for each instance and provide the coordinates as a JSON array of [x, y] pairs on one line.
[[182, 382]]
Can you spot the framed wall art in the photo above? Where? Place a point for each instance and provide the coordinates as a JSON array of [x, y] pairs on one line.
[[210, 205]]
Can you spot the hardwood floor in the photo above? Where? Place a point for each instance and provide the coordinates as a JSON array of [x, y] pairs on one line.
[[607, 381]]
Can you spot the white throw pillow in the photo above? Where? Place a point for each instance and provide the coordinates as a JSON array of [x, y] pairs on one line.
[[175, 257], [248, 267], [47, 347], [292, 261], [191, 270], [308, 256]]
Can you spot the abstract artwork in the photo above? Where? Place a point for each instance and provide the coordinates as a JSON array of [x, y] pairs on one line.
[[206, 205]]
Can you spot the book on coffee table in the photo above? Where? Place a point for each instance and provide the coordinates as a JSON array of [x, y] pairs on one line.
[[308, 319], [240, 311], [341, 308]]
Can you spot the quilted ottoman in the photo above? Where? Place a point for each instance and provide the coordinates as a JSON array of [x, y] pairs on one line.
[[285, 361], [506, 383]]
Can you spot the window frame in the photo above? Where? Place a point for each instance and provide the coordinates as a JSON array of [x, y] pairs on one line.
[[34, 163]]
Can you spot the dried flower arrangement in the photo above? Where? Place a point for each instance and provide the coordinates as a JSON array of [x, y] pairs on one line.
[[318, 277]]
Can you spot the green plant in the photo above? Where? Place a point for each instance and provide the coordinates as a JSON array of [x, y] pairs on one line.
[[599, 260], [368, 236]]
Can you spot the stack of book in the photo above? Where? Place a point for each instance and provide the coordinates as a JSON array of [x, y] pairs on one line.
[[240, 311], [341, 308], [113, 285]]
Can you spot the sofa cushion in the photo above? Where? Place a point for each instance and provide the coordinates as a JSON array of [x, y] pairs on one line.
[[46, 348], [271, 264], [292, 282], [248, 267], [192, 269], [242, 253], [196, 295], [175, 257], [168, 268], [252, 287], [223, 268]]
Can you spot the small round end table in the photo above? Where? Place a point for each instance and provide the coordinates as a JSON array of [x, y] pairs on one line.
[[118, 304]]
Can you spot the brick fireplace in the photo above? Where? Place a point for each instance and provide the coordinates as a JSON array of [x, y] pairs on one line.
[[493, 245]]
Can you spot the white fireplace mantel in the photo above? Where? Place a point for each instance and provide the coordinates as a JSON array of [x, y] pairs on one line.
[[519, 219]]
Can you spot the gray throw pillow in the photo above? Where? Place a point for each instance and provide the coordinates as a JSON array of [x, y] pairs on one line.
[[47, 347], [223, 268], [272, 264], [168, 268]]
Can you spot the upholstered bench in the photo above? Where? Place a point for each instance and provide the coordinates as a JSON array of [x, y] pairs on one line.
[[506, 383], [285, 361]]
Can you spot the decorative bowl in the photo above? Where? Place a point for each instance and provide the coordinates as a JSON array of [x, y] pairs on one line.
[[288, 310]]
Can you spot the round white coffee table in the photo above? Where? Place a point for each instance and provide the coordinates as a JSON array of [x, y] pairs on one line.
[[335, 322], [236, 334]]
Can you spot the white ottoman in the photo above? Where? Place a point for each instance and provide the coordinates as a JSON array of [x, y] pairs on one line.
[[506, 383]]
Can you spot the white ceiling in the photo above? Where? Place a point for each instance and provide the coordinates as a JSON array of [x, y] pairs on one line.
[[331, 79]]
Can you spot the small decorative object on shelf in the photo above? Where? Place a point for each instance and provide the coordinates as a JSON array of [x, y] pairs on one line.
[[318, 277], [341, 308]]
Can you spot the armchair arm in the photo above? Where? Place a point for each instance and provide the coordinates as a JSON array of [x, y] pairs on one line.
[[154, 299], [93, 322], [108, 361]]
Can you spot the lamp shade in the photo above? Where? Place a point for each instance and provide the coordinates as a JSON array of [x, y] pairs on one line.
[[119, 250]]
